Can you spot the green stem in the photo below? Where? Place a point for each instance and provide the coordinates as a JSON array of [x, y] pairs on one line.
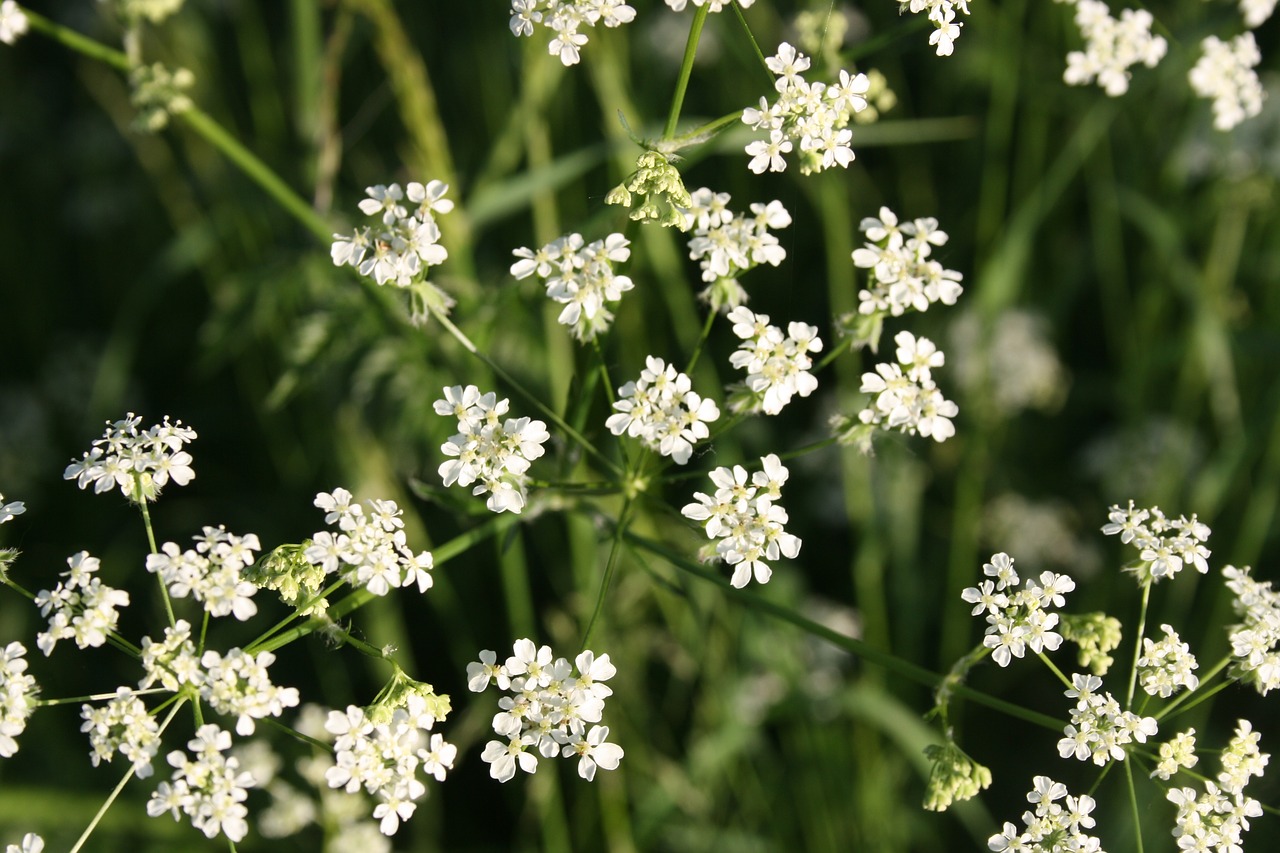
[[1055, 669], [1172, 706], [686, 68], [615, 551], [95, 697], [1137, 643], [742, 19], [702, 339], [1200, 696], [1133, 803], [854, 646], [75, 41], [151, 540]]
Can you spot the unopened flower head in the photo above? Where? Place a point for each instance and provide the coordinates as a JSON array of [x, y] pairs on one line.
[[905, 396], [1099, 729], [17, 696], [727, 244], [655, 192], [368, 547], [1096, 635], [744, 517], [1111, 46], [159, 93], [810, 120], [1053, 825], [564, 18], [1179, 753], [953, 776], [1225, 73], [138, 462], [904, 276], [1164, 545], [547, 714], [289, 572], [403, 246], [1018, 618], [942, 14], [490, 454], [579, 276], [1255, 642], [81, 608], [13, 24], [207, 786], [777, 365], [122, 725], [662, 411]]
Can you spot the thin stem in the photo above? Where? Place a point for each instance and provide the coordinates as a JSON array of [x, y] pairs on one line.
[[1055, 669], [111, 798], [1133, 803], [615, 550], [75, 41], [1137, 643], [95, 697], [742, 19], [1218, 667], [151, 540], [686, 68], [1200, 696], [604, 371], [702, 339]]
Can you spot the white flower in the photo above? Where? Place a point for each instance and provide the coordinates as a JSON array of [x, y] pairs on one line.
[[777, 366], [1112, 46], [563, 17], [82, 608], [661, 409], [210, 788], [9, 510], [405, 244], [1164, 545], [728, 244], [942, 14], [904, 277], [31, 843], [1167, 665], [910, 402], [17, 696], [811, 118], [140, 463], [579, 276], [1225, 74], [744, 519], [123, 725], [491, 453], [1059, 821], [593, 751]]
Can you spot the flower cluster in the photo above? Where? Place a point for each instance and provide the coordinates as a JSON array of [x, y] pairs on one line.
[[726, 244], [406, 244], [548, 711], [384, 749], [942, 13], [1099, 728], [744, 515], [237, 684], [1256, 12], [662, 411], [140, 463], [122, 724], [1111, 46], [909, 401], [1164, 545], [211, 573], [1178, 754], [82, 608], [903, 275], [953, 776], [1167, 665], [1254, 641], [715, 5], [17, 696], [369, 547], [1225, 73], [158, 93], [210, 788], [579, 276], [13, 24], [564, 17], [1052, 826], [173, 661], [660, 187], [1018, 619], [814, 116], [490, 452], [777, 366], [1216, 819]]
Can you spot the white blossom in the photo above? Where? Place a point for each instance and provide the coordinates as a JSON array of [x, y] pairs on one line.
[[563, 18], [1111, 46], [1225, 73], [579, 276], [662, 411], [139, 463], [777, 365], [17, 696], [490, 454], [369, 549], [208, 787], [82, 608]]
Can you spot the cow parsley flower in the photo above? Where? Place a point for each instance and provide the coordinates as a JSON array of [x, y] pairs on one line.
[[1178, 754], [1112, 46], [1164, 545], [211, 572], [1167, 665], [13, 24], [82, 608], [8, 511], [563, 18], [1254, 641], [1218, 818], [1099, 729], [661, 409], [905, 396], [490, 452], [552, 702], [1225, 73], [123, 724], [369, 548], [777, 365], [1256, 12], [714, 5], [172, 661], [743, 514], [17, 696], [158, 93], [580, 277], [1053, 825], [1018, 618], [661, 190], [727, 244], [809, 118], [208, 787], [237, 684], [904, 276], [139, 463], [942, 14]]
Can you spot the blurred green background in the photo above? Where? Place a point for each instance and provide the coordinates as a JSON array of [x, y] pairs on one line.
[[1119, 338]]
